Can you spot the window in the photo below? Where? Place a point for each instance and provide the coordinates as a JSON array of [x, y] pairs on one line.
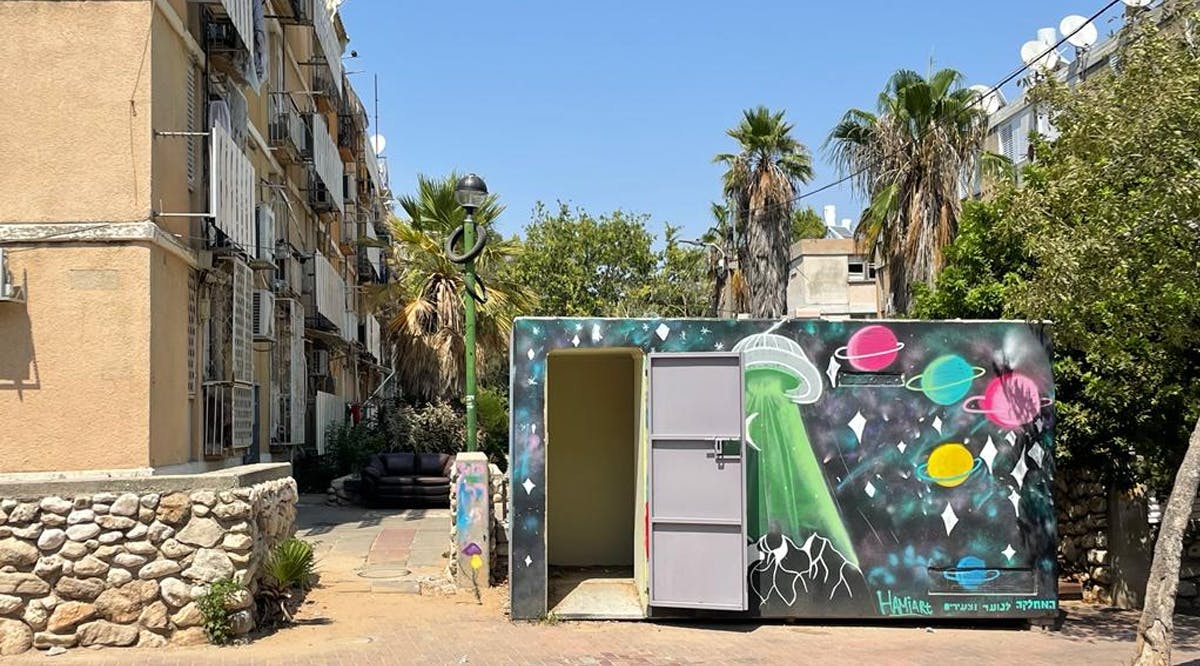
[[857, 269]]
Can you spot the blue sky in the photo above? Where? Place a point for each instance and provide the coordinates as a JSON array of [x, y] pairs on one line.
[[622, 104]]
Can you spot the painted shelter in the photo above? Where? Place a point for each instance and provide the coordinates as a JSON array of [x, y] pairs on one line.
[[796, 468]]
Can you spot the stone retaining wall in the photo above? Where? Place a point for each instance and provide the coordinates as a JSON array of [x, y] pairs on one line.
[[84, 566], [1083, 556]]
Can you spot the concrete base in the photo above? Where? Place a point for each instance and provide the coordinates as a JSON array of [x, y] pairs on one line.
[[472, 521]]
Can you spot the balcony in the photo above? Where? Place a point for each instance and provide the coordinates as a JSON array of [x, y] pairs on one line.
[[327, 169], [228, 417], [372, 337], [373, 169], [327, 79], [324, 294], [288, 131], [231, 191], [238, 14]]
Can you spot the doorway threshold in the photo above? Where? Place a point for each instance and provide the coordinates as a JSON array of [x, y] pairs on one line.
[[593, 593]]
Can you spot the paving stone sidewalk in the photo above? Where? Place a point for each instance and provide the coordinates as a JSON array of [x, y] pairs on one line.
[[351, 619]]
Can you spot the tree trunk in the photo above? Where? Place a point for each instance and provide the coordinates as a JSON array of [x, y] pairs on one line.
[[766, 271], [1156, 629]]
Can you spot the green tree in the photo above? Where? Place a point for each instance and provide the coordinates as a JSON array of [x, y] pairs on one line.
[[680, 284], [423, 302], [761, 180], [582, 265], [909, 159], [1103, 239], [807, 223]]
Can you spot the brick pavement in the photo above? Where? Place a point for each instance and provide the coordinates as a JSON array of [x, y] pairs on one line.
[[347, 621]]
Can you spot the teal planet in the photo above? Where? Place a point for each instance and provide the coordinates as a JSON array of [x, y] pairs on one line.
[[946, 380]]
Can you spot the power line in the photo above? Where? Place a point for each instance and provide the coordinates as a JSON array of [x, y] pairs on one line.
[[1003, 82]]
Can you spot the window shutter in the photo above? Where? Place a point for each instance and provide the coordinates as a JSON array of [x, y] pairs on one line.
[[191, 126]]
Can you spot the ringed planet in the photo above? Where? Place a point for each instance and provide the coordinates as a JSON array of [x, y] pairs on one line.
[[946, 380], [949, 465], [870, 349], [1010, 400], [971, 573]]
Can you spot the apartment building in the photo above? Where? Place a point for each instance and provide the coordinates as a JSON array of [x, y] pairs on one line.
[[189, 198], [833, 276]]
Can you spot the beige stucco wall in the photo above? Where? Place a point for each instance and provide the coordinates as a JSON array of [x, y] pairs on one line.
[[641, 556], [75, 363], [170, 192], [75, 140], [171, 432], [590, 440]]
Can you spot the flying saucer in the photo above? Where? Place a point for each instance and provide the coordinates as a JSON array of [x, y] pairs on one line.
[[949, 465], [971, 573], [870, 349], [946, 380], [1009, 401]]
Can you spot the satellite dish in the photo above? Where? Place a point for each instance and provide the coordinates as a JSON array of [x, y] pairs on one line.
[[1136, 3], [990, 100], [1039, 54], [378, 143], [1079, 31]]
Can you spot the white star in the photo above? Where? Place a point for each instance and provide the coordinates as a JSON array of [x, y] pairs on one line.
[[1037, 453], [832, 371], [949, 518], [531, 382], [596, 337], [662, 331], [528, 560], [704, 330], [575, 341], [645, 327], [1011, 437], [537, 330], [719, 346], [870, 488], [1008, 552], [1019, 470], [1015, 498], [579, 326], [528, 486], [902, 446], [683, 335], [937, 424], [857, 424], [988, 453], [530, 353]]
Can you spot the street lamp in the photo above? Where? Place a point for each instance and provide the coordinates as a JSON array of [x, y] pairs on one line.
[[723, 266], [470, 193]]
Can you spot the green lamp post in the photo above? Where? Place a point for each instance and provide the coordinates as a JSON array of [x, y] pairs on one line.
[[470, 193]]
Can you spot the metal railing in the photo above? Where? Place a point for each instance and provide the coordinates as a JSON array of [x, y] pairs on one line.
[[287, 127], [327, 161]]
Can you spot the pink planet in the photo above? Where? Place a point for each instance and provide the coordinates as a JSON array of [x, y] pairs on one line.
[[1009, 401], [870, 349]]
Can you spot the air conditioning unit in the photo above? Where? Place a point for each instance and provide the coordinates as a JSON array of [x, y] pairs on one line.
[[264, 237], [264, 315], [320, 364]]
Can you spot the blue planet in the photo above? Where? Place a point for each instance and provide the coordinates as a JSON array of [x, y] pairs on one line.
[[946, 380], [971, 573]]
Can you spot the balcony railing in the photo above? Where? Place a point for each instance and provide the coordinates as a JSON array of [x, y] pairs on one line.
[[228, 417], [327, 162], [231, 190], [287, 128], [328, 44], [241, 15], [373, 166], [325, 291], [372, 337]]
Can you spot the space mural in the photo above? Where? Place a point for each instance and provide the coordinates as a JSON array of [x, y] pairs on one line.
[[894, 469]]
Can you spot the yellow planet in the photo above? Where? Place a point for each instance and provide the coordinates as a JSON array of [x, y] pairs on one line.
[[948, 465]]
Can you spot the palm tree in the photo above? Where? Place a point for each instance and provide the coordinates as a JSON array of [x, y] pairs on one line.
[[912, 160], [728, 295], [423, 302], [761, 181]]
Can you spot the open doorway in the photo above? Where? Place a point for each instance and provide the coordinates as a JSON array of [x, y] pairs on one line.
[[593, 475]]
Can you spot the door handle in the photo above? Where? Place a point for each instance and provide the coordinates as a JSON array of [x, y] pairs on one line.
[[719, 449]]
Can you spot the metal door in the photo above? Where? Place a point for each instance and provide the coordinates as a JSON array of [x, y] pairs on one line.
[[697, 482]]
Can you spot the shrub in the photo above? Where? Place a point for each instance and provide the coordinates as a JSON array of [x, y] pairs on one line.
[[290, 566], [492, 407], [438, 428], [214, 607]]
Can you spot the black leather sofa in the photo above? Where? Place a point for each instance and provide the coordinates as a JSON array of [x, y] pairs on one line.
[[407, 479]]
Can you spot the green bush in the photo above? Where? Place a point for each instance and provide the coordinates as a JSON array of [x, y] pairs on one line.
[[214, 607], [492, 411], [290, 566], [437, 428]]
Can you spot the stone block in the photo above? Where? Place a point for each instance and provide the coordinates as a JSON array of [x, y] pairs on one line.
[[36, 615], [68, 615], [82, 532], [49, 566], [22, 514], [237, 542], [126, 505], [173, 509], [90, 566], [52, 539], [188, 616], [52, 519], [158, 569], [55, 505], [115, 522], [80, 589], [175, 592], [118, 577], [149, 639], [202, 532], [81, 516], [150, 500], [23, 584], [103, 632], [125, 604], [44, 640], [109, 538], [17, 553], [10, 604], [236, 509], [72, 550], [142, 548], [155, 616], [209, 565], [15, 637], [189, 636]]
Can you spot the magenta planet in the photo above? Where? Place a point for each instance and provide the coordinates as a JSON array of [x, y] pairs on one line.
[[870, 349], [1010, 400]]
